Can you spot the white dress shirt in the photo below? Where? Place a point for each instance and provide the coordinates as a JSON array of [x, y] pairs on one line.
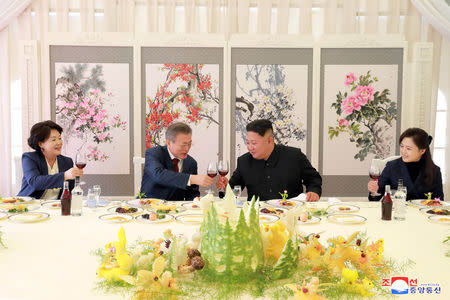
[[51, 193]]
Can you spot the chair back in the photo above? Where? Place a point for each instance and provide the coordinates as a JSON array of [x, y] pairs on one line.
[[381, 163], [18, 174], [138, 163]]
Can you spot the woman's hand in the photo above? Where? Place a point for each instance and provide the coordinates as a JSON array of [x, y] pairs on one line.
[[72, 173], [372, 186]]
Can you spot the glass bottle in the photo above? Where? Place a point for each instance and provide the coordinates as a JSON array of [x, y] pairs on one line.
[[400, 201], [386, 204], [66, 199], [77, 198]]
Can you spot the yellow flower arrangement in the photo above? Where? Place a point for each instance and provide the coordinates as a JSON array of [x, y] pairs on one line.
[[117, 261], [274, 238]]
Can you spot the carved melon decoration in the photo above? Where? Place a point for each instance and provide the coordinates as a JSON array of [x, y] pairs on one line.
[[287, 263], [229, 249]]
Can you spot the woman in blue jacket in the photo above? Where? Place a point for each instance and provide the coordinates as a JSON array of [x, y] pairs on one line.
[[415, 166], [45, 169]]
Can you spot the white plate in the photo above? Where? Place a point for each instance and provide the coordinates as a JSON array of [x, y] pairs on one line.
[[268, 218], [312, 220], [29, 217], [276, 203], [440, 219], [167, 218], [52, 204], [113, 210], [342, 208], [25, 199], [276, 210], [192, 219], [418, 202], [426, 209], [189, 205], [3, 215], [137, 203], [116, 218], [346, 219], [180, 209], [30, 206]]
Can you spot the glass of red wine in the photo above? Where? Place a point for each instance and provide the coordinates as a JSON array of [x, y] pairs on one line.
[[223, 171], [374, 173], [80, 162], [212, 172]]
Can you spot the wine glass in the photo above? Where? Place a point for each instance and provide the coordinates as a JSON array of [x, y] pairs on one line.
[[212, 172], [80, 163], [223, 171], [374, 173]]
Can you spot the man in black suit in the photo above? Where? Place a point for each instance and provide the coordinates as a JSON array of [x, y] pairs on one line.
[[169, 172], [268, 169]]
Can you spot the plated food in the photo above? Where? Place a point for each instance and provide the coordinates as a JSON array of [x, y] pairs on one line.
[[124, 210], [115, 218], [436, 211], [145, 202], [19, 208], [342, 208], [265, 218], [29, 217], [52, 204], [440, 219], [191, 205], [272, 210], [429, 203], [153, 217], [346, 219], [309, 220], [168, 208], [190, 218], [15, 200], [285, 203]]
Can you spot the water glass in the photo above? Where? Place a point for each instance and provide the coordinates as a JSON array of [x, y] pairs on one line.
[[237, 190], [97, 192], [91, 199]]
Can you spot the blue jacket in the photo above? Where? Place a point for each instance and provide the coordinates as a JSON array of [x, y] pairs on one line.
[[35, 174], [397, 169], [160, 179]]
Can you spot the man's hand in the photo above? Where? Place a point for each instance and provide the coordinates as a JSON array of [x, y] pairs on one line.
[[312, 197], [372, 186], [221, 183], [201, 180]]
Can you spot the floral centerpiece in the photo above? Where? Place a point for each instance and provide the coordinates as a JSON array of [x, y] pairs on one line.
[[233, 254]]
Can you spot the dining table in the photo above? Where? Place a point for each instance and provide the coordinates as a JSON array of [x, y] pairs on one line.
[[54, 258]]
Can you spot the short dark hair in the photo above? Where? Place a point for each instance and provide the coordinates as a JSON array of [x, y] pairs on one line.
[[41, 132], [176, 128], [261, 126]]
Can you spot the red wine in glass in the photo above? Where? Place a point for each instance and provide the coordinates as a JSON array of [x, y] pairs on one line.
[[212, 172], [80, 165], [374, 176], [223, 173], [212, 175]]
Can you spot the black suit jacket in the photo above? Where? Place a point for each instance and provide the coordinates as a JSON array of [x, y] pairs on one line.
[[160, 179], [287, 168], [397, 169]]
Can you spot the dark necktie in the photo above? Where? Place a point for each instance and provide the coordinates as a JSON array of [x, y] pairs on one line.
[[175, 164]]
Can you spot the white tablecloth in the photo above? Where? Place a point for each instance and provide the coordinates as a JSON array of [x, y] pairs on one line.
[[52, 259]]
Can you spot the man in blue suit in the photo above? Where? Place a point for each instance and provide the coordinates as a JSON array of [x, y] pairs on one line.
[[169, 172]]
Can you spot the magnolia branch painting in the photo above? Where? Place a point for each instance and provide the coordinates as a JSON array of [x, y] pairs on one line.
[[274, 92], [93, 118]]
